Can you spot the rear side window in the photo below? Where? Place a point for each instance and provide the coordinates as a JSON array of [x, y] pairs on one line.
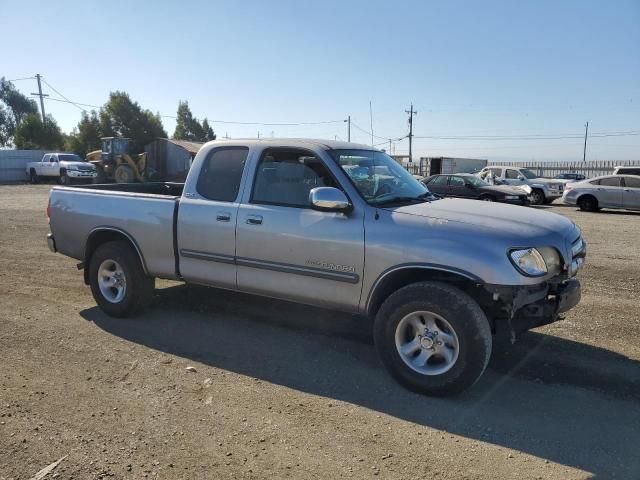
[[496, 171], [440, 180], [610, 181], [632, 182], [221, 173]]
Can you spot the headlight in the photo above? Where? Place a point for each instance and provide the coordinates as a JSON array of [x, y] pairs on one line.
[[529, 262]]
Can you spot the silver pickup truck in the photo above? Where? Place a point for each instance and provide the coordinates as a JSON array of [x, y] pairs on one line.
[[340, 226]]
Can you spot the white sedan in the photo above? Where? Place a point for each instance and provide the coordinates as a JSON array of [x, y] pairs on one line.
[[609, 191]]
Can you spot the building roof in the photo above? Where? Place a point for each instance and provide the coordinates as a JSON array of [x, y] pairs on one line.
[[191, 147]]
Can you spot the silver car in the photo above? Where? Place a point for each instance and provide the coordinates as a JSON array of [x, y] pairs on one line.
[[609, 191]]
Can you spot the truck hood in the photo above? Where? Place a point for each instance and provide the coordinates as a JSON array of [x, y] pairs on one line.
[[510, 220]]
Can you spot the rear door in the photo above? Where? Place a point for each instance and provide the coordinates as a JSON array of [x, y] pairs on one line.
[[287, 250], [458, 188], [631, 193], [609, 192], [207, 217]]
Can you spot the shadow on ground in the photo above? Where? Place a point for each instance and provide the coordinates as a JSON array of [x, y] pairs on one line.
[[567, 402]]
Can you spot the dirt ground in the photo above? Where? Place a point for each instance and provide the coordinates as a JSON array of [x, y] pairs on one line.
[[285, 391]]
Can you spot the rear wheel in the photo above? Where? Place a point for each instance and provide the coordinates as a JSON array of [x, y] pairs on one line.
[[537, 197], [118, 282], [124, 174], [433, 338], [33, 178], [588, 203]]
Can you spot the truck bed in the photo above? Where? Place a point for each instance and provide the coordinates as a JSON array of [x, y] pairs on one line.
[[145, 212], [171, 189]]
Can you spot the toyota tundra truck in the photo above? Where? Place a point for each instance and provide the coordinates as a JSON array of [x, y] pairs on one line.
[[336, 225]]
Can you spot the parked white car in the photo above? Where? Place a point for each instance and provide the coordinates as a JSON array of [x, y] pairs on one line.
[[64, 167], [609, 191], [541, 190]]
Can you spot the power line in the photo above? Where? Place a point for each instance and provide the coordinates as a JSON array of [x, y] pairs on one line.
[[71, 102], [18, 79], [526, 137]]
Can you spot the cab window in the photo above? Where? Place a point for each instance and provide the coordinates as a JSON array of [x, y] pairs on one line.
[[512, 173], [285, 177], [221, 173]]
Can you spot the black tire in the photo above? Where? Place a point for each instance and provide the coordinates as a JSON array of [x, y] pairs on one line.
[[33, 178], [124, 174], [588, 203], [138, 289], [487, 198], [464, 316], [64, 178], [537, 197]]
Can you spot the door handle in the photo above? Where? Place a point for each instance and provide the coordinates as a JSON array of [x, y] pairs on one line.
[[254, 219], [223, 217]]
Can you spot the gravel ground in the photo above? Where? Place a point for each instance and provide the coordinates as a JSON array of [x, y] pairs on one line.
[[284, 391]]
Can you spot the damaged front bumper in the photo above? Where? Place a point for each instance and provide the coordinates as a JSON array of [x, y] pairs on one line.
[[527, 307]]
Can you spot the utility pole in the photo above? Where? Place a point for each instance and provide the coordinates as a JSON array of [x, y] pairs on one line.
[[411, 113], [371, 121], [349, 128], [41, 95], [584, 152], [389, 146]]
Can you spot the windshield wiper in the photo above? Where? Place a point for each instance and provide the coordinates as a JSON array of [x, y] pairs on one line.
[[420, 198]]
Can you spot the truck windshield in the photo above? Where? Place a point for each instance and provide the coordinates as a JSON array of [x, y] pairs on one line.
[[380, 179], [69, 157]]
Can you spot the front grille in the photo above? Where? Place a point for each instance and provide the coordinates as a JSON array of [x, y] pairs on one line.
[[85, 168]]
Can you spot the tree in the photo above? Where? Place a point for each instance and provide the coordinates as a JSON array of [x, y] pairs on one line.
[[32, 134], [122, 117], [189, 128], [86, 136], [14, 107], [208, 131]]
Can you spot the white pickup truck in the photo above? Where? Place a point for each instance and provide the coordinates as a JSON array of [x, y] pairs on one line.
[[64, 167]]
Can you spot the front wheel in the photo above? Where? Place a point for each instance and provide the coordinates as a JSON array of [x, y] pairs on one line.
[[433, 338], [124, 174], [537, 197], [118, 282], [64, 178]]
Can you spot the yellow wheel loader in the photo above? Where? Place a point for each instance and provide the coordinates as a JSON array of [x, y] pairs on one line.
[[115, 163]]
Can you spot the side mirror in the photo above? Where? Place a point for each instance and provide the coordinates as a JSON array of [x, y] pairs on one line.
[[329, 199], [520, 177]]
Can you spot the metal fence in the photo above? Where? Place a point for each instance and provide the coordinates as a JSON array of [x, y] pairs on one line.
[[13, 164], [550, 169], [589, 169]]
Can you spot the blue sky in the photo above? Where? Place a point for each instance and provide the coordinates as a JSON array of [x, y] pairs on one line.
[[471, 68]]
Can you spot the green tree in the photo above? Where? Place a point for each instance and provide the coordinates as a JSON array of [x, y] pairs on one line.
[[122, 117], [14, 107], [86, 136], [32, 134], [189, 128], [209, 134]]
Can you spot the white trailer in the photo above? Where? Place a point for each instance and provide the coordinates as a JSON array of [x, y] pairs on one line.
[[448, 165]]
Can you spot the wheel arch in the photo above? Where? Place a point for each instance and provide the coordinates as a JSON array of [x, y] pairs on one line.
[[395, 278], [101, 235]]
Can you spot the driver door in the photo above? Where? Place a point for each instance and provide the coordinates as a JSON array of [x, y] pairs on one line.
[[284, 248]]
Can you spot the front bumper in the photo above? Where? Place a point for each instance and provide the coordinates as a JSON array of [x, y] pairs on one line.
[[525, 307], [558, 299], [51, 242], [82, 173]]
